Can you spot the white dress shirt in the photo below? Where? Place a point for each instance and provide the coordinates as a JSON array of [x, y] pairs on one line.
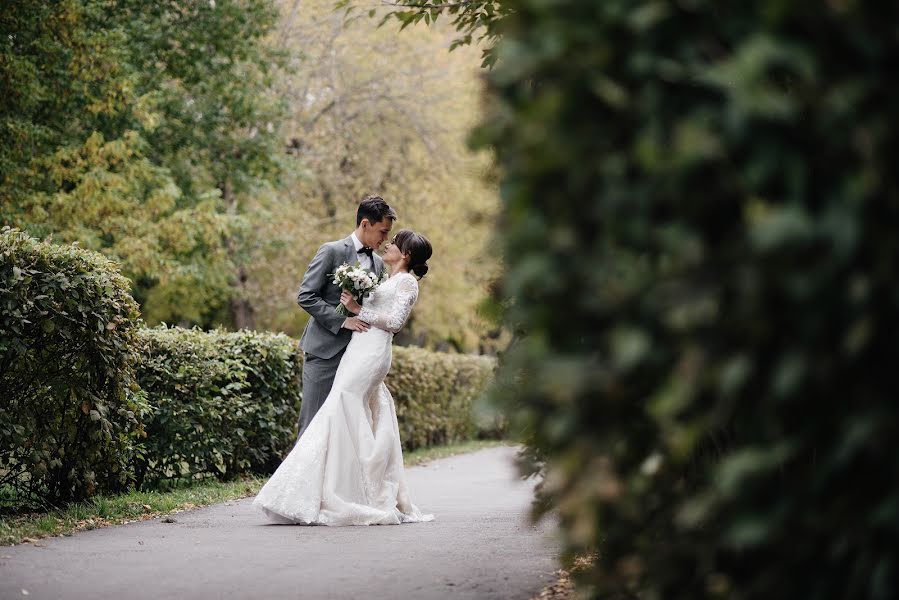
[[364, 260]]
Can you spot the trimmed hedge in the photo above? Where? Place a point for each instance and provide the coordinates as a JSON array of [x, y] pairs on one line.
[[435, 394], [69, 405], [222, 403], [227, 403]]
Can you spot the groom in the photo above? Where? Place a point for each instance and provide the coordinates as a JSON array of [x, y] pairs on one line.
[[327, 333]]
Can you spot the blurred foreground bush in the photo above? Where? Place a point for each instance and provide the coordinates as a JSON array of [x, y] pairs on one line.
[[702, 237]]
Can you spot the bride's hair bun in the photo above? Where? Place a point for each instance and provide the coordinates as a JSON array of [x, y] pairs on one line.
[[417, 247]]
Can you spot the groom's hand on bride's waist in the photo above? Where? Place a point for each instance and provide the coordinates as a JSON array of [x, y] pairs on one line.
[[355, 324]]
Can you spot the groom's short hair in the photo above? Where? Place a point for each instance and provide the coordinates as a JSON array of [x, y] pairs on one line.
[[375, 209]]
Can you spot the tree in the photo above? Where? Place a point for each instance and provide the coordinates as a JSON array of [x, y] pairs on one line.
[[77, 167], [157, 133], [374, 112], [476, 21], [136, 129], [60, 68], [209, 73]]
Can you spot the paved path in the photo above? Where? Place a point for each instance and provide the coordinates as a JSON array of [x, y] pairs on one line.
[[480, 547]]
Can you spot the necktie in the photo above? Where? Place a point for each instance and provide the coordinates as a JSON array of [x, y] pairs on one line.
[[366, 251]]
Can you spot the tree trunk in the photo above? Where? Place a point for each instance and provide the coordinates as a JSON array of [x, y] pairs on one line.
[[243, 316], [242, 313]]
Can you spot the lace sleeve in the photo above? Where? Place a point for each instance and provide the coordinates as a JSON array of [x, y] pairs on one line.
[[395, 317]]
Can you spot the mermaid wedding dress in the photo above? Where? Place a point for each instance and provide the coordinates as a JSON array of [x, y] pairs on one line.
[[347, 468]]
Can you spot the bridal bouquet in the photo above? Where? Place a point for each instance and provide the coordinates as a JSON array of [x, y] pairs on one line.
[[356, 280]]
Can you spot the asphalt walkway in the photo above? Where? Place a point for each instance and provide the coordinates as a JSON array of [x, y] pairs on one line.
[[480, 547]]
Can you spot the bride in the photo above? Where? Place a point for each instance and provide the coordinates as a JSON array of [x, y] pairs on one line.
[[347, 468]]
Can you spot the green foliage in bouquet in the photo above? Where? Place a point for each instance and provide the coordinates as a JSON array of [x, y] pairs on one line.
[[69, 404], [222, 403], [700, 226]]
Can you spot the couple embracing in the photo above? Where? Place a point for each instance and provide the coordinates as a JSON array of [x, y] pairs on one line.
[[347, 465]]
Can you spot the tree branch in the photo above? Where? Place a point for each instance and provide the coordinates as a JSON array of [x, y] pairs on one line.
[[427, 6]]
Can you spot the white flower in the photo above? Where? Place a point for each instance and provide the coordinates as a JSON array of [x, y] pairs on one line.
[[357, 279]]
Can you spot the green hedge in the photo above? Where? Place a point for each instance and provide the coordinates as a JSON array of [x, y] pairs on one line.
[[69, 405], [227, 403], [222, 403], [435, 394]]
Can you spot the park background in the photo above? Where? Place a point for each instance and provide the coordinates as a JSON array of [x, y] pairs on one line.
[[674, 223]]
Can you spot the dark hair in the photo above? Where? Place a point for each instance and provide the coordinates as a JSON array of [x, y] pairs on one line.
[[417, 247], [375, 209]]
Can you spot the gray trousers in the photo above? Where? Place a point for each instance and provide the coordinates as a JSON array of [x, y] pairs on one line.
[[318, 377]]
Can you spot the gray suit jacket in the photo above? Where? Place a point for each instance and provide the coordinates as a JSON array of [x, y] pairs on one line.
[[323, 336]]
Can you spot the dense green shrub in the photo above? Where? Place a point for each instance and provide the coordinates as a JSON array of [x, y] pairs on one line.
[[434, 395], [222, 403], [227, 403], [701, 219], [69, 409]]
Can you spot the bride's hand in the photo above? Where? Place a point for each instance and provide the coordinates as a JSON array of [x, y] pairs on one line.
[[347, 300], [355, 324]]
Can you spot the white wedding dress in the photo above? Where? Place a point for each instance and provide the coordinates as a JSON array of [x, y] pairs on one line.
[[347, 468]]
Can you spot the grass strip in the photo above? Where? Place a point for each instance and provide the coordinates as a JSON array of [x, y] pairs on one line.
[[424, 455]]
